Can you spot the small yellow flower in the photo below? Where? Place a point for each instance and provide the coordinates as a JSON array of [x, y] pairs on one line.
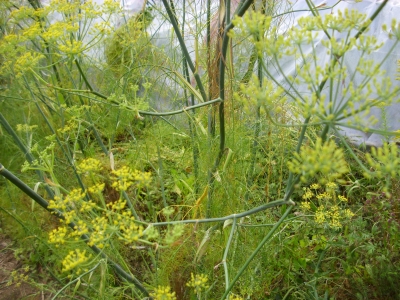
[[97, 188], [324, 161], [80, 229], [308, 195], [26, 128], [71, 47], [26, 62], [117, 205], [87, 206], [74, 259], [163, 293], [305, 206], [122, 180], [130, 232], [331, 185], [89, 165], [99, 233], [235, 297], [74, 196], [125, 178], [57, 236], [320, 215], [70, 216], [142, 178], [198, 282], [324, 196], [348, 213]]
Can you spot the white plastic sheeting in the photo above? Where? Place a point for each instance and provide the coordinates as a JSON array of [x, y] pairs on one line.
[[161, 32], [388, 118]]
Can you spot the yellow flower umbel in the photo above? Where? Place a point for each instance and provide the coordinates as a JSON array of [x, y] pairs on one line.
[[100, 233], [89, 165], [128, 230], [385, 160], [75, 259], [325, 161], [235, 297], [163, 293], [198, 282], [68, 204], [328, 207], [124, 178], [58, 235]]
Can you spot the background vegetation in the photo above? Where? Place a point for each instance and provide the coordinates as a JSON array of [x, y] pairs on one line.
[[134, 171]]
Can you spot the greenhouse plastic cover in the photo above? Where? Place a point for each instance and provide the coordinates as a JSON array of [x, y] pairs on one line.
[[390, 119], [161, 30], [387, 120]]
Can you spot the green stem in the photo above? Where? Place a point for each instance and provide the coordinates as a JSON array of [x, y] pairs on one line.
[[192, 131], [225, 42], [185, 52], [225, 257], [66, 153], [359, 162], [222, 219], [293, 180], [161, 175], [257, 125], [260, 245], [29, 157], [374, 15], [141, 112]]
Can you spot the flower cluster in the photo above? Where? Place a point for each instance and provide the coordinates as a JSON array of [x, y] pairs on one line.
[[129, 44], [29, 24], [57, 236], [328, 207], [253, 24], [128, 230], [235, 297], [57, 30], [125, 178], [45, 161], [99, 220], [163, 293], [89, 165], [72, 47], [325, 161], [75, 259], [18, 277], [198, 282], [74, 198], [385, 161], [100, 232], [97, 188], [68, 127], [26, 62], [269, 97], [26, 128]]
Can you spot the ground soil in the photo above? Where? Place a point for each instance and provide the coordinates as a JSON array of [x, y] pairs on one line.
[[12, 288]]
